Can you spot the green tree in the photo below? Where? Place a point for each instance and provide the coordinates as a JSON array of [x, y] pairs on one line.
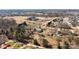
[[20, 32]]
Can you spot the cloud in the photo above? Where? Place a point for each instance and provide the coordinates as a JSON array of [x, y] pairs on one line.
[[39, 4]]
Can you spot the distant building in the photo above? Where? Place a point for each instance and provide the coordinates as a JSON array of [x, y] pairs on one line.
[[33, 18]]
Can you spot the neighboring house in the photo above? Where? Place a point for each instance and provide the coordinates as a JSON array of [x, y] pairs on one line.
[[33, 18]]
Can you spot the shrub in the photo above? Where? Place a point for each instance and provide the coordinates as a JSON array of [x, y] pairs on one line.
[[22, 34]]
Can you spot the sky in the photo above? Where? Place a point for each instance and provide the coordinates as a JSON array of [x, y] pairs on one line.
[[39, 4]]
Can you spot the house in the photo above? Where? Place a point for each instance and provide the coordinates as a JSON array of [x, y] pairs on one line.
[[32, 18]]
